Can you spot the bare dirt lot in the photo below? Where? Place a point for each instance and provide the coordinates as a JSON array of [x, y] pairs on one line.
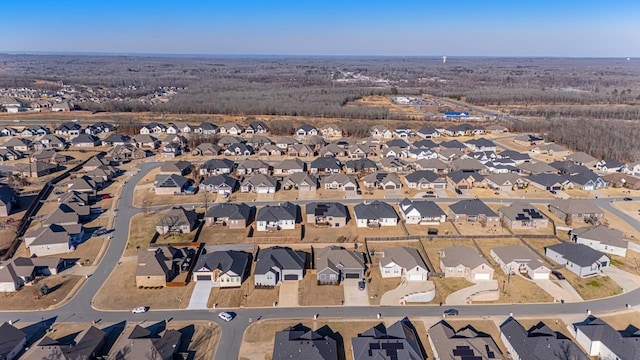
[[312, 294], [29, 297], [221, 235], [377, 285], [617, 223]]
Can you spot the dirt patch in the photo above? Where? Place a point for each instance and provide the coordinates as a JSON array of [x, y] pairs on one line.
[[377, 285], [540, 244], [594, 287], [514, 289], [630, 263], [312, 294], [29, 297], [222, 235], [434, 246], [617, 223], [141, 234], [347, 233], [447, 286]]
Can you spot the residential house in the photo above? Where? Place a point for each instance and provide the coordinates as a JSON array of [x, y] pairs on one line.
[[83, 184], [453, 145], [277, 217], [517, 157], [231, 215], [284, 142], [360, 166], [300, 181], [398, 341], [223, 268], [315, 143], [7, 200], [619, 180], [8, 131], [428, 132], [473, 210], [522, 215], [299, 342], [260, 184], [325, 165], [239, 149], [13, 341], [394, 152], [517, 259], [85, 345], [258, 141], [217, 167], [159, 265], [34, 130], [601, 238], [375, 214], [253, 167], [466, 343], [497, 129], [527, 140], [425, 144], [332, 151], [403, 132], [50, 141], [270, 150], [176, 167], [306, 130], [550, 149], [18, 271], [170, 184], [206, 128], [379, 131], [421, 212], [425, 179], [465, 262], [10, 155], [392, 164], [53, 239], [170, 150], [403, 262], [331, 131], [156, 342], [299, 150], [421, 153], [577, 258], [177, 220], [153, 128], [18, 144], [334, 264], [382, 180], [257, 127], [464, 179], [289, 166], [116, 139], [435, 165], [146, 141], [481, 144], [537, 343], [534, 168], [340, 182], [85, 141], [124, 153], [35, 169], [206, 149], [550, 182], [277, 264], [581, 158], [228, 140], [358, 151], [220, 184], [506, 182], [576, 210], [231, 129], [329, 214], [602, 341]]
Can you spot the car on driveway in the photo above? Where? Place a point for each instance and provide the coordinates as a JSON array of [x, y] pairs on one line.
[[361, 285], [140, 310], [627, 199], [558, 275], [225, 316], [451, 312], [553, 192]]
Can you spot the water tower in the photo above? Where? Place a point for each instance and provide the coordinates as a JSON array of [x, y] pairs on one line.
[[444, 59]]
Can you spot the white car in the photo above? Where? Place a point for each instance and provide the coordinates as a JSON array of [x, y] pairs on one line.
[[225, 316], [140, 310]]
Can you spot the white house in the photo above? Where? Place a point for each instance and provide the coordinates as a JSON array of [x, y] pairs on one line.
[[601, 238], [403, 262]]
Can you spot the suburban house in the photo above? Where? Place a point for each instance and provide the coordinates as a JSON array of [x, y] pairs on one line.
[[52, 239], [85, 345], [231, 215], [403, 262], [533, 168], [299, 342], [171, 150], [326, 214], [300, 181], [464, 179], [473, 210], [332, 150], [382, 180], [223, 268], [527, 140], [466, 343], [514, 259], [206, 149], [270, 150], [157, 266], [398, 341], [425, 179], [277, 217], [7, 199], [300, 150], [550, 182], [176, 167], [253, 167], [619, 180], [464, 261], [325, 165], [260, 184], [35, 169], [375, 215], [123, 153], [331, 131], [217, 167], [539, 342], [435, 165], [170, 184], [379, 131], [586, 180], [334, 264], [428, 132], [581, 158], [220, 184], [306, 130], [393, 164], [177, 220], [231, 129], [601, 238], [289, 166], [18, 271], [481, 144], [421, 212], [277, 264], [257, 127], [13, 341], [579, 259], [576, 210], [155, 342], [610, 165], [361, 166], [550, 149], [340, 182], [522, 215], [602, 341], [506, 182]]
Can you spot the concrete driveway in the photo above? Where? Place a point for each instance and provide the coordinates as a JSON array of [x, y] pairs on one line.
[[626, 280], [288, 296], [352, 295], [568, 288], [200, 295], [394, 297], [480, 291], [556, 291]]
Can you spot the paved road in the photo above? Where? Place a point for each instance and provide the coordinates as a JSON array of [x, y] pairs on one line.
[[79, 308]]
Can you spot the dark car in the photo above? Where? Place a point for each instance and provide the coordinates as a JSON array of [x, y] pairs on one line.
[[432, 232], [558, 275], [458, 191], [553, 192], [451, 312], [361, 285], [627, 199]]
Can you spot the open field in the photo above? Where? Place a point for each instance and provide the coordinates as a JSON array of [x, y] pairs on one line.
[[515, 289], [140, 235], [220, 235], [377, 285], [594, 287], [348, 233], [312, 294], [631, 208], [629, 263], [119, 292], [617, 223], [29, 298]]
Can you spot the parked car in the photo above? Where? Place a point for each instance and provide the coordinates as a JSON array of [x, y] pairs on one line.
[[451, 312], [361, 285], [100, 232], [225, 316], [558, 275], [140, 310], [458, 191], [432, 232], [553, 192], [627, 199], [106, 196]]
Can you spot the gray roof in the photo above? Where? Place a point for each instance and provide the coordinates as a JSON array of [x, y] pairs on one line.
[[326, 163], [481, 142], [540, 342], [472, 207], [521, 211], [291, 164], [466, 343], [382, 177], [10, 338], [225, 261], [578, 254], [299, 178], [407, 258], [396, 342], [261, 179], [537, 168], [6, 194], [232, 211], [222, 179], [175, 166], [361, 164], [301, 343], [218, 164], [459, 175], [462, 255], [85, 344], [467, 164], [171, 181], [283, 211], [326, 209], [431, 164], [340, 178], [278, 257], [518, 253], [425, 144], [422, 176], [426, 208], [142, 343], [547, 180], [336, 258], [84, 138], [623, 344], [253, 164], [580, 157], [501, 179], [375, 210], [602, 234], [179, 216], [575, 206], [153, 263]]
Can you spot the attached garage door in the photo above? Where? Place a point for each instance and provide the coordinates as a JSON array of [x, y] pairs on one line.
[[352, 275], [439, 186], [203, 278], [538, 276], [291, 277], [463, 187], [556, 188], [482, 277], [390, 187], [415, 277], [350, 188]]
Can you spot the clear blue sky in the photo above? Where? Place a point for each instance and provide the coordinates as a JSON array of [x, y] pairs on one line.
[[407, 28]]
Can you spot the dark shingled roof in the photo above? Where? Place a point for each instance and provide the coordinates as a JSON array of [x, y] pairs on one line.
[[540, 342], [472, 207]]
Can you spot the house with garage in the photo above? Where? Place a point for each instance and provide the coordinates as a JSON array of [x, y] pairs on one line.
[[481, 144], [120, 154], [473, 210], [464, 179], [424, 144], [403, 132], [403, 262], [586, 180], [170, 150], [217, 167], [465, 262], [13, 341], [277, 264], [18, 144], [176, 167], [382, 180], [85, 141], [601, 238], [177, 220], [435, 165], [534, 168], [518, 259], [300, 150], [577, 258], [379, 131], [232, 129], [231, 215], [206, 149], [326, 214], [550, 182], [331, 131], [170, 184], [425, 179], [223, 269], [306, 130], [257, 127], [270, 150], [315, 143], [18, 271], [619, 180], [289, 166], [325, 165], [220, 184], [574, 211], [260, 184], [332, 151], [428, 132], [361, 166], [299, 342], [334, 264], [398, 341], [392, 164], [522, 215], [7, 200], [527, 140], [581, 158], [277, 217], [394, 152], [300, 181], [159, 265], [238, 149], [340, 182], [538, 343], [420, 153], [80, 345], [421, 212], [52, 239], [375, 214], [465, 344], [506, 182], [253, 167], [602, 341], [610, 166]]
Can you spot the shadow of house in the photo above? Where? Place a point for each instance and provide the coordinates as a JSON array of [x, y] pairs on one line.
[[298, 339], [153, 342]]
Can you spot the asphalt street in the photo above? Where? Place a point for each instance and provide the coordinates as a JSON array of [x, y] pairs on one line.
[[79, 308]]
